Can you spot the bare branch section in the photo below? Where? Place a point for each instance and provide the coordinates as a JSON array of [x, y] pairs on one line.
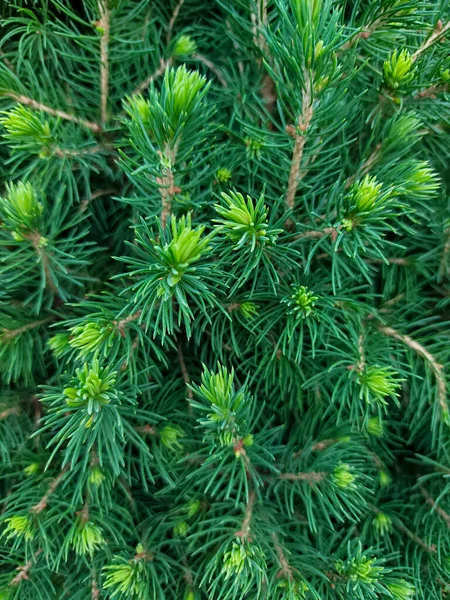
[[173, 18], [185, 372], [435, 367], [438, 509], [24, 570], [437, 35], [9, 334], [26, 101], [105, 26], [311, 477], [212, 67], [303, 123], [43, 502], [245, 531], [167, 187], [163, 65]]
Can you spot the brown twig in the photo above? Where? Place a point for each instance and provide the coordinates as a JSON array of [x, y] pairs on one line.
[[8, 334], [435, 366], [26, 101], [24, 570], [439, 510], [185, 372], [13, 410], [212, 67], [105, 25], [164, 63], [366, 166], [303, 123], [173, 18], [43, 502], [438, 33], [312, 477], [244, 532]]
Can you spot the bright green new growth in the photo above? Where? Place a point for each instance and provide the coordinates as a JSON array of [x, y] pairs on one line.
[[224, 300]]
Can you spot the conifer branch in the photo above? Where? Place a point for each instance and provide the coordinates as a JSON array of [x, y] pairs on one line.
[[163, 65], [26, 101], [9, 334], [42, 504], [366, 166], [303, 124], [212, 67], [438, 33], [105, 25], [185, 372], [173, 18], [12, 410], [24, 570], [438, 509], [244, 532], [311, 477], [435, 366]]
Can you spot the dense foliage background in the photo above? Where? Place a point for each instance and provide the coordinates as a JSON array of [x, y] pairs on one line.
[[224, 290]]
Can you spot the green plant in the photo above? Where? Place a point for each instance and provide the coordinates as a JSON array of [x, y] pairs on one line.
[[224, 299]]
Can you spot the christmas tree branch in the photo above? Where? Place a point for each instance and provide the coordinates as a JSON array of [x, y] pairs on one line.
[[438, 33], [12, 333], [244, 532], [26, 101], [421, 351], [185, 373], [42, 504], [104, 24], [24, 570], [438, 509], [303, 124], [163, 65], [173, 18], [312, 477]]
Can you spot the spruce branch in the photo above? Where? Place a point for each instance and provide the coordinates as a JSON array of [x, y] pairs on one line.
[[438, 509], [104, 25], [173, 18], [439, 32], [302, 126], [164, 64], [24, 570], [43, 502], [311, 477], [435, 366], [244, 532], [26, 101], [9, 334]]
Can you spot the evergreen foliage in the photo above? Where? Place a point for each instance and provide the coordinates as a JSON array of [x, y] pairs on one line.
[[224, 284]]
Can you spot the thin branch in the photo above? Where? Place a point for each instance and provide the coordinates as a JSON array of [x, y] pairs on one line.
[[366, 166], [439, 510], [13, 410], [26, 101], [167, 187], [245, 531], [185, 372], [435, 366], [24, 570], [312, 477], [212, 67], [437, 35], [173, 18], [286, 570], [316, 233], [9, 334], [364, 34], [105, 25], [42, 504], [164, 63], [303, 123]]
